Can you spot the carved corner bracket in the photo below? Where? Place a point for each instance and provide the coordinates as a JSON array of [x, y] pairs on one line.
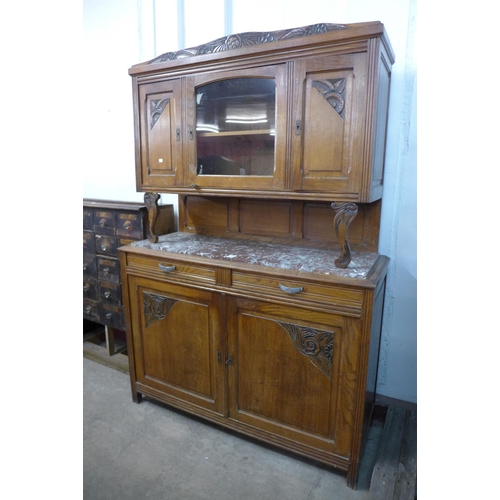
[[344, 215], [151, 201]]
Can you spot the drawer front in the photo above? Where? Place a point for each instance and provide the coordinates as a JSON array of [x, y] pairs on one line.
[[335, 298], [130, 225], [87, 218], [105, 245], [110, 293], [104, 221], [108, 269], [88, 242], [123, 241], [89, 265], [171, 270], [90, 289], [91, 310], [112, 315]]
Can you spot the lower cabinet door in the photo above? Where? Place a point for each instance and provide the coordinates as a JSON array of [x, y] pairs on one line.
[[176, 336], [284, 377]]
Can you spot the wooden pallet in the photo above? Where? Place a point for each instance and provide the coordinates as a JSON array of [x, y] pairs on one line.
[[395, 473]]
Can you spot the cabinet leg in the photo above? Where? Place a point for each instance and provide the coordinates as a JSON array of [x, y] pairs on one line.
[[136, 397], [110, 340], [344, 215], [151, 201]]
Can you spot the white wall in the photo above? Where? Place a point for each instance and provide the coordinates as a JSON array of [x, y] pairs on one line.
[[120, 33]]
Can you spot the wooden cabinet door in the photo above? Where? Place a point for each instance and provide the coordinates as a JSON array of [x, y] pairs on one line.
[[176, 339], [160, 135], [330, 151], [284, 373]]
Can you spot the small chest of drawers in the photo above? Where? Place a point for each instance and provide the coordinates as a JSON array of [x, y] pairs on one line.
[[108, 225]]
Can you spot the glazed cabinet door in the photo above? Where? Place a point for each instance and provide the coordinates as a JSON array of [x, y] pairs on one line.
[[330, 121], [176, 340], [237, 129], [159, 135], [284, 375]]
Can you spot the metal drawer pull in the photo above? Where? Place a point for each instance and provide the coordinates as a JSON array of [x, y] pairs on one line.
[[287, 289], [86, 287], [167, 269], [127, 225], [107, 294]]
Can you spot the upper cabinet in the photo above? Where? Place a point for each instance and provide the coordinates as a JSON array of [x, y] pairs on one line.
[[297, 114]]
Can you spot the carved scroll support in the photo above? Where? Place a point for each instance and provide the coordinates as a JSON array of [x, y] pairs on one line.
[[344, 215], [151, 201]]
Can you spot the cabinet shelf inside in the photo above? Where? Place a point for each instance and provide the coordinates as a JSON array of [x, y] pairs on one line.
[[234, 133]]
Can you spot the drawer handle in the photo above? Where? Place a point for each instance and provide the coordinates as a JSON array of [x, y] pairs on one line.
[[88, 309], [167, 269], [290, 290], [102, 223], [127, 225], [105, 270], [107, 294], [86, 288], [104, 248], [109, 315]]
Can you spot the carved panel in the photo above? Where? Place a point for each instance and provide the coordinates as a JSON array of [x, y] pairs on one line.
[[156, 307], [317, 345], [333, 92], [246, 39], [157, 107]]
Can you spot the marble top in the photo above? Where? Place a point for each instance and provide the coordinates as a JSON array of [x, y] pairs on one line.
[[313, 260]]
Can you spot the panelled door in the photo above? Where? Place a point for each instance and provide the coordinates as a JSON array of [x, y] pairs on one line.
[[176, 336], [161, 135], [284, 372]]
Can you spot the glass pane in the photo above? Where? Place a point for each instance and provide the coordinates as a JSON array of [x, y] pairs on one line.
[[235, 127]]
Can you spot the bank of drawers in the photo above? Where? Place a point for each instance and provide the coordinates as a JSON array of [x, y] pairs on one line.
[[108, 225]]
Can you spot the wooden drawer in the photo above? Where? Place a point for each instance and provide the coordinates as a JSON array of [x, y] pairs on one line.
[[108, 269], [88, 218], [90, 290], [130, 225], [105, 245], [88, 242], [112, 315], [335, 298], [91, 310], [104, 221], [89, 265], [110, 293], [171, 270]]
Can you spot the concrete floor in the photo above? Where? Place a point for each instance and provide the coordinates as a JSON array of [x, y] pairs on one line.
[[149, 451]]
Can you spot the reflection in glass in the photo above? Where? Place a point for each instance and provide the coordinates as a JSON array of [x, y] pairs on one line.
[[235, 127]]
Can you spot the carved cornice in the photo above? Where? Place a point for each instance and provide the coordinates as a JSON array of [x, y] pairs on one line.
[[156, 307], [247, 39], [315, 344]]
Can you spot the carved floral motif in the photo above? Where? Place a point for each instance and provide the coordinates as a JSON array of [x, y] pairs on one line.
[[157, 107], [156, 307], [247, 39], [333, 92], [315, 344]]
